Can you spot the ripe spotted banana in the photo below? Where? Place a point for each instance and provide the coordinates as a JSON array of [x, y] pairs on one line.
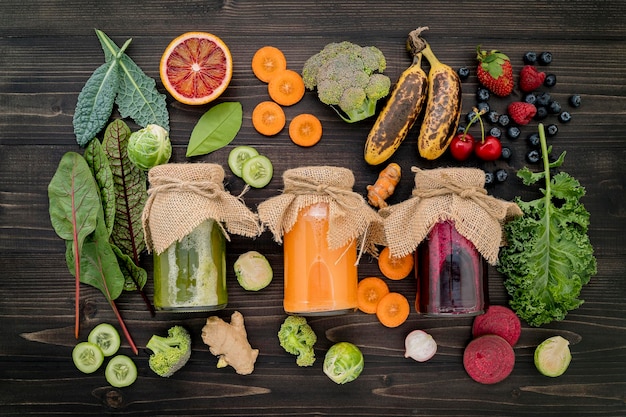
[[399, 114], [443, 108]]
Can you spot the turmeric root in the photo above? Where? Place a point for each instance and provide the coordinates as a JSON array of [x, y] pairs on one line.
[[384, 186], [229, 342]]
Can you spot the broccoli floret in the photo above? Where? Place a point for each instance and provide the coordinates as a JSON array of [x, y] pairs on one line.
[[339, 70], [170, 353], [297, 337]]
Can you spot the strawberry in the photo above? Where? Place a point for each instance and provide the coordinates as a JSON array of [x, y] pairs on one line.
[[530, 78], [495, 72], [521, 112]]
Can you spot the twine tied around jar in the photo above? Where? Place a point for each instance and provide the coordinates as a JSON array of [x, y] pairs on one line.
[[455, 194], [349, 215], [181, 196]]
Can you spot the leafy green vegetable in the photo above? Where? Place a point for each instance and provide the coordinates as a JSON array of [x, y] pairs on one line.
[[549, 256], [149, 147], [119, 80], [130, 191], [215, 129], [95, 102], [74, 204], [101, 171], [135, 277]]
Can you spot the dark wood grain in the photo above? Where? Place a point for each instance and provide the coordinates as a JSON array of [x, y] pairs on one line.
[[48, 49]]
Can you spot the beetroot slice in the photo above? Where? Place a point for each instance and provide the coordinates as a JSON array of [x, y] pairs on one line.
[[498, 320], [488, 359]]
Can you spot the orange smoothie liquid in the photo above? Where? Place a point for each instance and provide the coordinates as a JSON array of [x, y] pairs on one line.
[[318, 281]]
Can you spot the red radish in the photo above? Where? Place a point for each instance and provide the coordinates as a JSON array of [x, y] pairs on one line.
[[488, 359], [498, 320]]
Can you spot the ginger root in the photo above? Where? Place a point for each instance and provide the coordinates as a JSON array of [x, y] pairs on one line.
[[384, 186], [229, 342]]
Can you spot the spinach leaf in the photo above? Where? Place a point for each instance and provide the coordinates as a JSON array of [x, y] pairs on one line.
[[215, 129], [130, 186], [74, 204], [135, 277]]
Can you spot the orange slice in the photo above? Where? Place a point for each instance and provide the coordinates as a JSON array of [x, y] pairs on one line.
[[196, 68]]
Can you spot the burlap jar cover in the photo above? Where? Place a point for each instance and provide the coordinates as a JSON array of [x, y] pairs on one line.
[[350, 217], [456, 194], [181, 196]]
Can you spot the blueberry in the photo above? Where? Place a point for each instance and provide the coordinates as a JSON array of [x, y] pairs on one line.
[[533, 139], [489, 177], [506, 152], [545, 58], [495, 132], [543, 99], [533, 156], [460, 129], [530, 98], [552, 130], [464, 73], [541, 114], [554, 107], [504, 120], [550, 80], [482, 94], [513, 132], [493, 116], [470, 116], [565, 117], [574, 100], [483, 106], [530, 57], [501, 175]]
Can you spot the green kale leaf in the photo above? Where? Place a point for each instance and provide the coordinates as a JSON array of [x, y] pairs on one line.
[[549, 256]]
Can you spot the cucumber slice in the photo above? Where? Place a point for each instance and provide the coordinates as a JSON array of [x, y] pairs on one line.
[[238, 156], [87, 357], [121, 371], [257, 171], [106, 337]]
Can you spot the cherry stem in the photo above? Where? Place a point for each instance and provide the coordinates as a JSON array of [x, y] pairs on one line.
[[477, 115]]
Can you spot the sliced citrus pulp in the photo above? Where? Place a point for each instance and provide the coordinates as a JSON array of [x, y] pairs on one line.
[[196, 68]]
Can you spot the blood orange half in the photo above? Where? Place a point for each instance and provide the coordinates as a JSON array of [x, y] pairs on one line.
[[196, 68]]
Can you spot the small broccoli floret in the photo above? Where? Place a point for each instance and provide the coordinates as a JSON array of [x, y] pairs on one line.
[[170, 353], [339, 70], [297, 337]]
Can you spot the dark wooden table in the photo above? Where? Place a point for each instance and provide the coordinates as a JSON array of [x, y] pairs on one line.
[[48, 49]]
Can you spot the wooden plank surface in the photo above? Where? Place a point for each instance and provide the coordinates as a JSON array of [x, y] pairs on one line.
[[48, 49]]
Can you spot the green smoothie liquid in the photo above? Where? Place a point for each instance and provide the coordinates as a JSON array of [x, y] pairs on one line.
[[190, 275]]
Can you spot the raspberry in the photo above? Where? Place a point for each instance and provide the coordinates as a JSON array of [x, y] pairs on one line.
[[521, 112], [530, 78]]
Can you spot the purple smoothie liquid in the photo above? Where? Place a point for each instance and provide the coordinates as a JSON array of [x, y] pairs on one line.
[[451, 274]]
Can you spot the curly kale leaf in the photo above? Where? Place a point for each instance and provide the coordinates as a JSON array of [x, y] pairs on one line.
[[549, 256]]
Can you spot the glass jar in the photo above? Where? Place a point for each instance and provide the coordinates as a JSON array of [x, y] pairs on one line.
[[451, 274], [318, 280], [190, 275]]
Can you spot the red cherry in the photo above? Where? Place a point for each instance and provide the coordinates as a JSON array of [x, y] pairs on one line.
[[462, 146], [488, 150]]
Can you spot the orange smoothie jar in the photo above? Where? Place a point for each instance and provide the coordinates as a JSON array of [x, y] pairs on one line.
[[318, 280]]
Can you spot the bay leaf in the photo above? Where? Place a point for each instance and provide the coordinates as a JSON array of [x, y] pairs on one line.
[[215, 129]]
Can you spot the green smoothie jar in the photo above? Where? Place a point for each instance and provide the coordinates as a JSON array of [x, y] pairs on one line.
[[187, 220]]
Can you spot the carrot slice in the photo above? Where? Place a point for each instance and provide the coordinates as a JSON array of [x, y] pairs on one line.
[[305, 130], [268, 118], [286, 88], [395, 268], [267, 62], [369, 292], [393, 309]]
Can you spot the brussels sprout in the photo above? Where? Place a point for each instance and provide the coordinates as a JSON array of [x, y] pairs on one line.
[[149, 147], [343, 362], [552, 356], [253, 271]]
